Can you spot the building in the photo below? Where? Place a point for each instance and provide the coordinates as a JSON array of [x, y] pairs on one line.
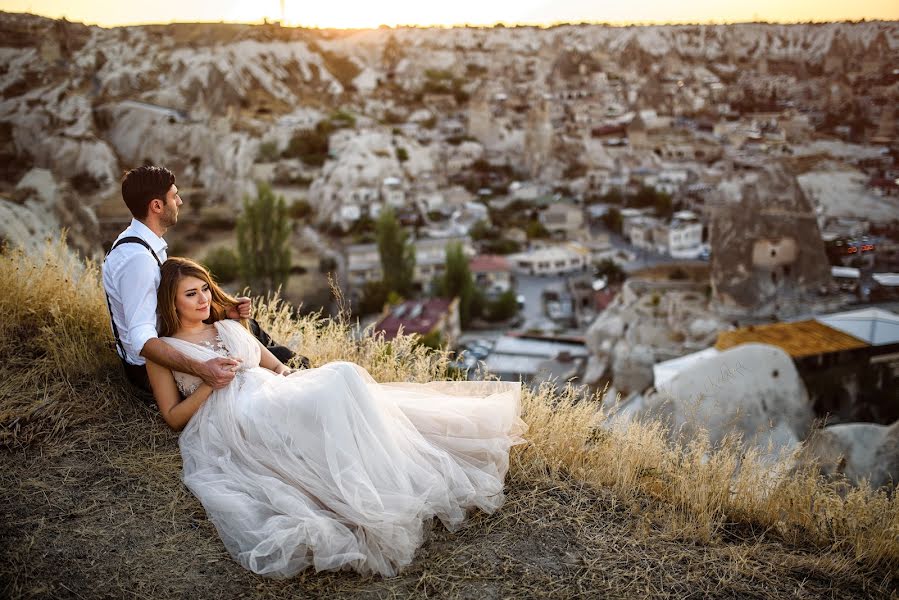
[[848, 361], [436, 319], [563, 220], [430, 257], [533, 359], [682, 238], [392, 192], [640, 231], [492, 273], [886, 286], [364, 261], [558, 259]]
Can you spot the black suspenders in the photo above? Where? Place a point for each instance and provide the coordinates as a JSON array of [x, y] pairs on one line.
[[115, 330]]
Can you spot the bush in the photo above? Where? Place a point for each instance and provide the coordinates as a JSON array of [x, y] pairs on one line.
[[402, 154], [610, 270], [503, 308], [480, 231], [373, 299], [223, 263], [268, 152], [341, 119], [311, 145], [536, 230], [432, 339], [300, 209], [500, 246]]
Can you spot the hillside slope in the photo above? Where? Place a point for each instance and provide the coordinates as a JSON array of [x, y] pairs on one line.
[[91, 504]]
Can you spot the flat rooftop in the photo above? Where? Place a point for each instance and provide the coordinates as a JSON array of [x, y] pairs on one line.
[[798, 339]]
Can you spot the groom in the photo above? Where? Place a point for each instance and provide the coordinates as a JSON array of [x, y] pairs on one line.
[[131, 277]]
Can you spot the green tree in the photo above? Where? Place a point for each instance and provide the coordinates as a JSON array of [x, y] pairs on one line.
[[397, 254], [457, 281], [664, 207], [262, 240], [480, 231], [612, 220], [536, 230], [609, 269]]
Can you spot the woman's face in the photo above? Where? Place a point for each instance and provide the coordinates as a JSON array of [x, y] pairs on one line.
[[193, 299]]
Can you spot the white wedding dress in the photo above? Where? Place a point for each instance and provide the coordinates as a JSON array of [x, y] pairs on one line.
[[328, 468]]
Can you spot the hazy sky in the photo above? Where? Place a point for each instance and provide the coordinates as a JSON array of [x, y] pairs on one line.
[[371, 13]]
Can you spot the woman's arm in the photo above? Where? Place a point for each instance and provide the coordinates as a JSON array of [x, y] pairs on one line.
[[175, 411], [270, 362]]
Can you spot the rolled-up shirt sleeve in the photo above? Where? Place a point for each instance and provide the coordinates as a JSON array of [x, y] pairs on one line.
[[138, 281]]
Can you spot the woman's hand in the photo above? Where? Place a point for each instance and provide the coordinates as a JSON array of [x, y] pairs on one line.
[[284, 371], [242, 310]]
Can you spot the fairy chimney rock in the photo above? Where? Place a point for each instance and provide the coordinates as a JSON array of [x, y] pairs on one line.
[[768, 256]]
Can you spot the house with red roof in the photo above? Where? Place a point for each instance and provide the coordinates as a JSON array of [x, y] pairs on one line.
[[492, 273], [432, 318]]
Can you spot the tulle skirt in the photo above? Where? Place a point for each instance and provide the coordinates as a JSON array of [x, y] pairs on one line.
[[327, 468]]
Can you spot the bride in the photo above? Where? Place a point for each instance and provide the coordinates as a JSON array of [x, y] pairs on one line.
[[322, 467]]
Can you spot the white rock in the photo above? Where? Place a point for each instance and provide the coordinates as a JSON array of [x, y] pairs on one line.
[[747, 390]]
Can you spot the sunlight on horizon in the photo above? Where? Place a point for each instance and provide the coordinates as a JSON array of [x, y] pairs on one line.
[[359, 14]]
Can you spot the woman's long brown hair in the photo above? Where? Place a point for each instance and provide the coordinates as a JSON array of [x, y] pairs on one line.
[[173, 271]]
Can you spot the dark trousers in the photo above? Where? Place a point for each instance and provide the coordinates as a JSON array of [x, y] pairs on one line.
[[137, 374]]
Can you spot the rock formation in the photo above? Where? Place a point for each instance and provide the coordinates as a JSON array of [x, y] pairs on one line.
[[767, 254], [646, 323], [752, 391]]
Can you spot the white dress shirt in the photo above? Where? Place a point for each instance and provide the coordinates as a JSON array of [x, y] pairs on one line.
[[131, 278]]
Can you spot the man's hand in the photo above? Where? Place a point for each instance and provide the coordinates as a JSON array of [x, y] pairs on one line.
[[242, 310], [218, 372]]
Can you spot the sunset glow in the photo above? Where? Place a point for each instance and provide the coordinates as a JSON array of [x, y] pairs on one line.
[[365, 14]]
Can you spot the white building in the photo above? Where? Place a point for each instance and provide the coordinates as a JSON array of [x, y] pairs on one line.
[[392, 192], [681, 238], [640, 231], [684, 236], [558, 259]]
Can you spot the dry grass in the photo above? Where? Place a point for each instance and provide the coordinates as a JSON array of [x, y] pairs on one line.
[[92, 504]]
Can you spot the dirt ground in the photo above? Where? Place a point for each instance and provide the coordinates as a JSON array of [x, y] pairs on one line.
[[104, 514]]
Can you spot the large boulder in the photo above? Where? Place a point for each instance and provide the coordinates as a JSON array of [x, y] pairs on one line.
[[752, 390], [39, 207], [632, 367], [858, 451]]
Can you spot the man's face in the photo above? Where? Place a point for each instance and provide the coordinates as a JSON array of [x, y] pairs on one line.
[[169, 214]]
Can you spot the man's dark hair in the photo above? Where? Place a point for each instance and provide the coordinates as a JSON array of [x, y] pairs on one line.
[[143, 184]]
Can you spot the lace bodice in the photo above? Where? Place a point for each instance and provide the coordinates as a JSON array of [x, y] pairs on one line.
[[187, 383]]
